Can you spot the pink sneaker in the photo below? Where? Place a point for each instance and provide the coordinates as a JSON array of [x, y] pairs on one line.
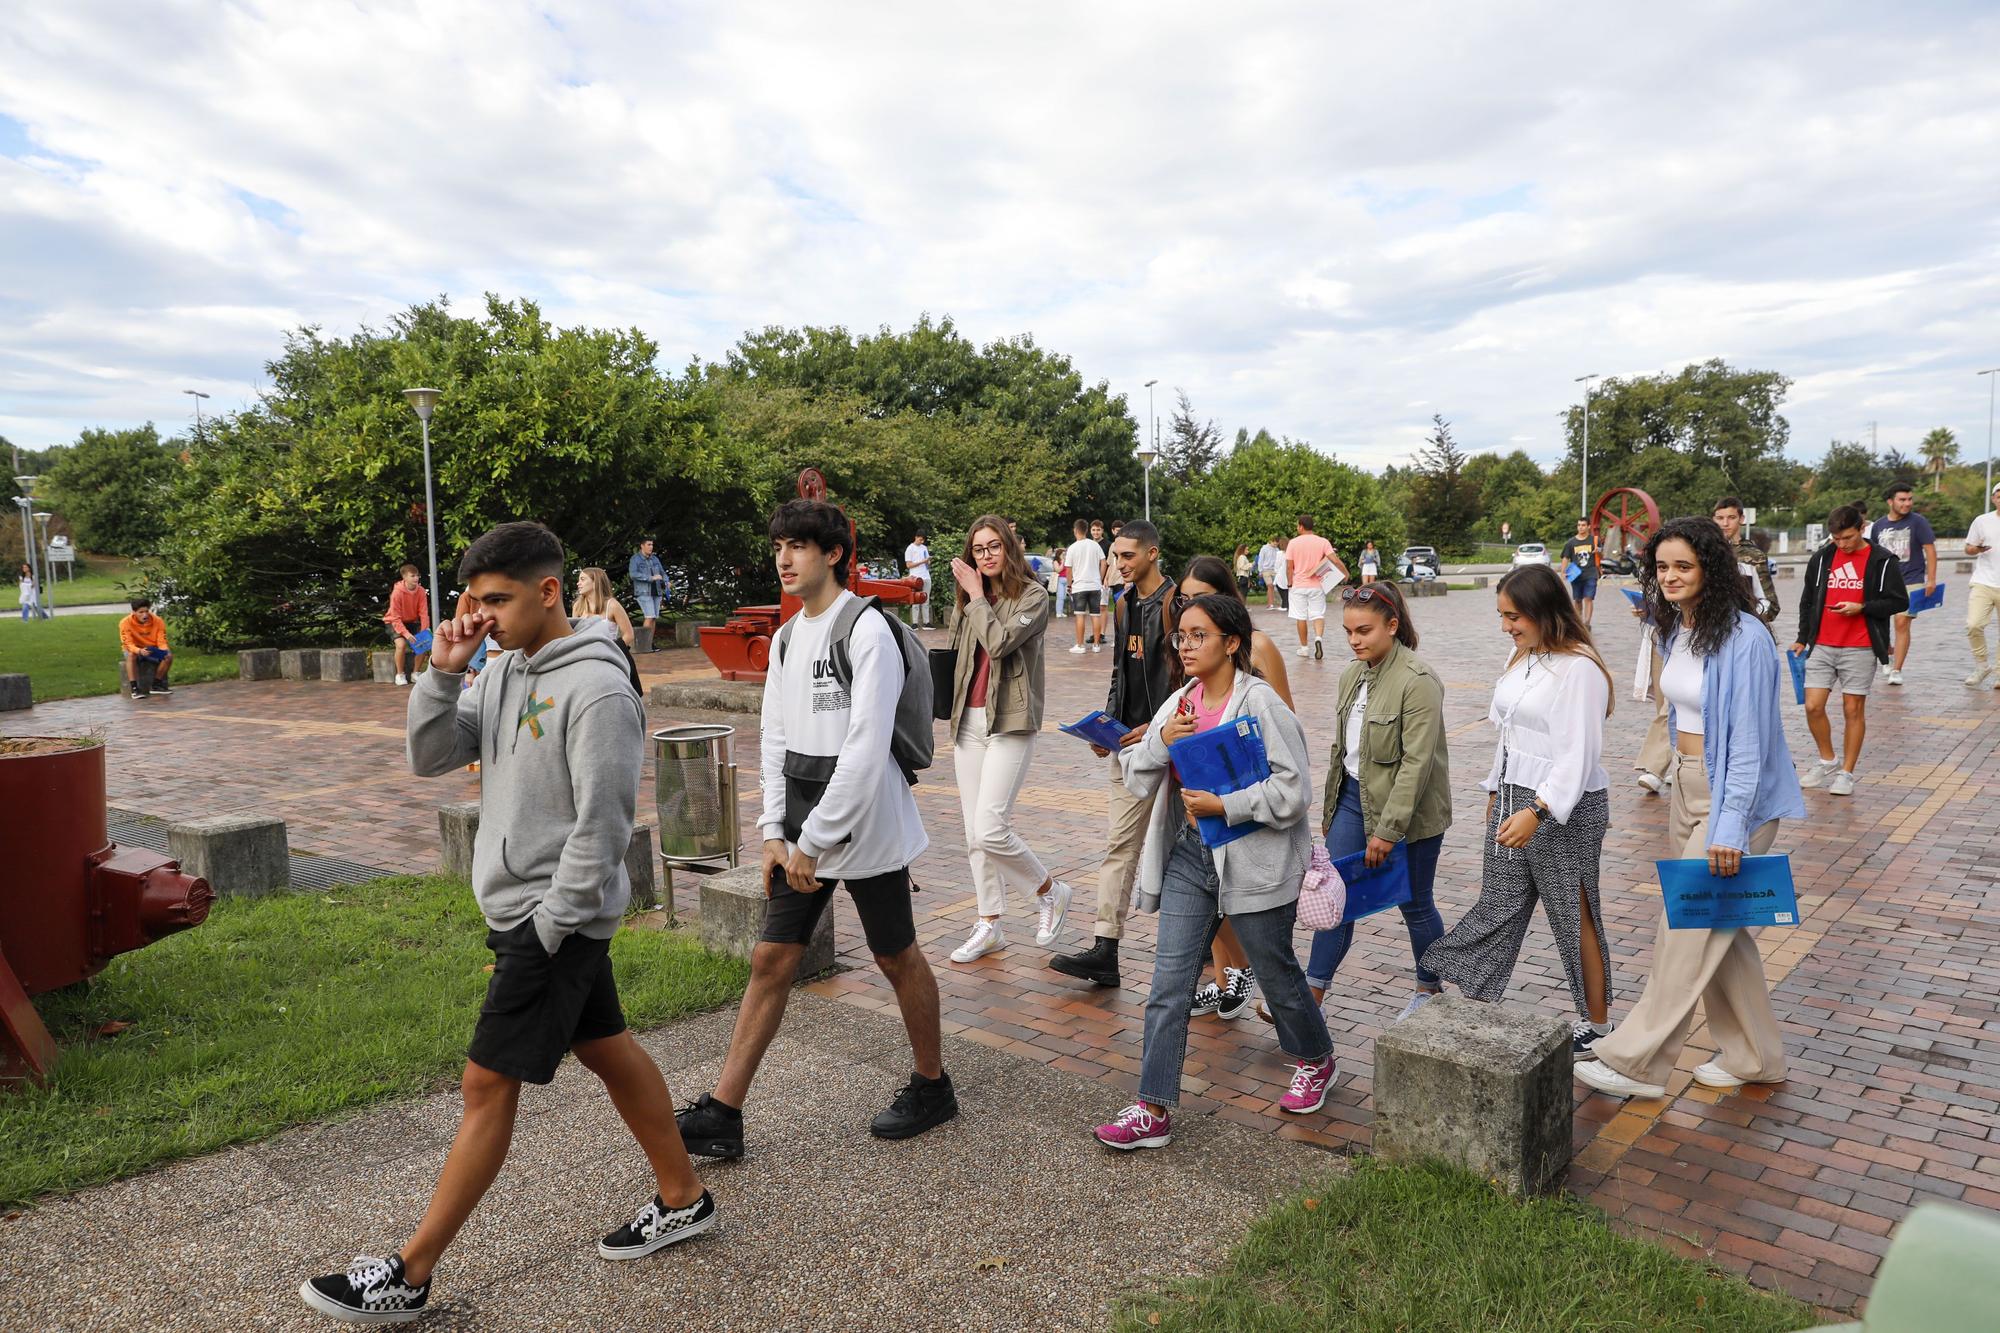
[[1309, 1087], [1136, 1127]]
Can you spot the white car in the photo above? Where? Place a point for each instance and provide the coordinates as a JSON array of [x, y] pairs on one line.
[[1531, 553]]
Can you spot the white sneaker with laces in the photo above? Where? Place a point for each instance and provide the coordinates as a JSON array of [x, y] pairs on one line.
[[402, 680], [1818, 771], [1713, 1075], [1977, 678], [1050, 909], [1077, 649], [1096, 647], [1842, 784], [1305, 650], [1606, 1079], [986, 936], [1893, 676], [1651, 782]]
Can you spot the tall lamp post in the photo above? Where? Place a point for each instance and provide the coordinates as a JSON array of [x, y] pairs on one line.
[[42, 517], [423, 400], [1989, 428], [1585, 380], [197, 395], [1147, 454]]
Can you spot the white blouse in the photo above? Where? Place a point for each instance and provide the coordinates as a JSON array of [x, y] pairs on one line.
[[1549, 711], [1680, 681]]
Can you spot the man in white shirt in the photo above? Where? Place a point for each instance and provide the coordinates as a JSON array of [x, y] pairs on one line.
[[837, 808], [1085, 559], [917, 564], [1982, 601], [1268, 557]]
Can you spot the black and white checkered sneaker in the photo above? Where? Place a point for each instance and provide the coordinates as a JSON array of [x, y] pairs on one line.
[[371, 1291], [658, 1226]]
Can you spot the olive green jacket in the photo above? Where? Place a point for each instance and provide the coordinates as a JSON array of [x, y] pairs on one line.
[[1012, 633], [1405, 770]]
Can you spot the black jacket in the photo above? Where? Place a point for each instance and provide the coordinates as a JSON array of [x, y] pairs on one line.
[[1149, 678], [1883, 594]]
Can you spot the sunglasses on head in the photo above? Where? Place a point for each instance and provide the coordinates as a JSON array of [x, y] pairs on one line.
[[1365, 595]]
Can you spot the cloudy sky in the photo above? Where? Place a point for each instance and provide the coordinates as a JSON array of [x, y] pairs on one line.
[[1328, 220]]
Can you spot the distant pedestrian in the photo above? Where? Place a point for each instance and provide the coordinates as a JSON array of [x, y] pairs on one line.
[[1085, 559], [917, 565], [31, 597], [143, 635], [594, 598], [1982, 542], [1313, 569], [1114, 577], [409, 615], [1059, 584], [1582, 552], [1371, 563], [1269, 556], [1853, 589], [1751, 561], [649, 585], [1284, 573], [1909, 538], [1243, 571]]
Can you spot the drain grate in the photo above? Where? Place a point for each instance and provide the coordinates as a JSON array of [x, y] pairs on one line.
[[129, 828]]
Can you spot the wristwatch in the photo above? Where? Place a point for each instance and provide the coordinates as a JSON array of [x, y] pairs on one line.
[[1540, 809]]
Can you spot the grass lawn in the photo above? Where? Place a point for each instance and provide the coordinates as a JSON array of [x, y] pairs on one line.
[[104, 582], [70, 656], [283, 1010], [1436, 1249]]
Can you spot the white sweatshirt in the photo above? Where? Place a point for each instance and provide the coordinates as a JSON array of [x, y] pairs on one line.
[[866, 822]]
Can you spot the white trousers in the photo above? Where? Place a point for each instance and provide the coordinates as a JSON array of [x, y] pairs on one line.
[[991, 773]]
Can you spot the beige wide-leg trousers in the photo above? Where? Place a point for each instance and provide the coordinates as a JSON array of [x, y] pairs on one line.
[[1720, 969]]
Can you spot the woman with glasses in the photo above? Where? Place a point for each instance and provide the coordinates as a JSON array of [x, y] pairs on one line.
[[1235, 984], [1389, 781], [1548, 807], [1252, 881], [996, 711], [1733, 782]]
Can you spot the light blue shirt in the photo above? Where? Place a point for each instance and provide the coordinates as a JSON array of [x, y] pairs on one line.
[[1750, 775]]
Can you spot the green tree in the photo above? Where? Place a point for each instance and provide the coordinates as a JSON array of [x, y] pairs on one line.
[[1444, 504], [1719, 417], [1191, 446], [1940, 451], [1502, 484], [1258, 491], [112, 486], [1847, 472]]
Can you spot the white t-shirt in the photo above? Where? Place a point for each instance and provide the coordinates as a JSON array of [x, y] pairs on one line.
[[1985, 531], [1354, 724], [1085, 559], [1680, 682], [918, 551], [1268, 557], [28, 597]]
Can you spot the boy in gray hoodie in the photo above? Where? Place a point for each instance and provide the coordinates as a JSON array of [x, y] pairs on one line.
[[558, 730]]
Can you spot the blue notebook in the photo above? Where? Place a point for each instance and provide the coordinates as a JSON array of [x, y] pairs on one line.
[[1919, 602], [1571, 570], [421, 642], [1225, 758], [1099, 728], [1797, 662], [1760, 894], [1377, 890], [1633, 595]]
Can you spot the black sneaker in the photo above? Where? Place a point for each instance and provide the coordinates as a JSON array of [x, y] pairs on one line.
[[710, 1129], [1098, 964], [371, 1291], [160, 687], [134, 690], [1234, 1000], [1581, 1036], [658, 1226], [919, 1105], [1207, 999]]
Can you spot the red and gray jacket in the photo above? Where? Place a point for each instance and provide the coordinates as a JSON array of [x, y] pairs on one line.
[[1883, 594]]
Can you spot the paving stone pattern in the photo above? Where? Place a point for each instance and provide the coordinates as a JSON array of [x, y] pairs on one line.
[[1887, 991]]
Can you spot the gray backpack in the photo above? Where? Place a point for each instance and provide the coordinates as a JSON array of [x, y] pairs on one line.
[[914, 743]]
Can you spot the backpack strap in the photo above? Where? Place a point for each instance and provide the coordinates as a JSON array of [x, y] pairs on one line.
[[784, 640], [843, 630]]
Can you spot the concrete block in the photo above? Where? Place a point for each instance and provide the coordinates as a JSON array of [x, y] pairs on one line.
[[687, 634], [1965, 567], [1786, 572], [642, 639], [299, 663], [639, 867], [1484, 1085], [1479, 580], [16, 692], [257, 664], [241, 856], [732, 917], [343, 664], [709, 696], [458, 828], [382, 666]]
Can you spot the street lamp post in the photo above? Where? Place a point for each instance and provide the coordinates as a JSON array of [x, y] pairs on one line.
[[42, 517], [1148, 455], [423, 400], [197, 395], [1989, 428], [1585, 380]]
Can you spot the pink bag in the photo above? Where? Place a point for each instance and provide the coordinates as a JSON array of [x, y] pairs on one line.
[[1323, 893]]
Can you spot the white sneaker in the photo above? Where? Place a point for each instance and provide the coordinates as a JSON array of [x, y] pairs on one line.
[[1418, 999], [1050, 909], [1842, 784], [402, 680], [1305, 650], [1651, 782], [1977, 678], [985, 938], [1893, 676], [1713, 1075], [1818, 771], [1606, 1079], [1096, 647]]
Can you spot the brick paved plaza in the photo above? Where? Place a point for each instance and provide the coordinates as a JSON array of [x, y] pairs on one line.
[[1889, 991]]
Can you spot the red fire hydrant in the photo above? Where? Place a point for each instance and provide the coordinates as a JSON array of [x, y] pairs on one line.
[[70, 901]]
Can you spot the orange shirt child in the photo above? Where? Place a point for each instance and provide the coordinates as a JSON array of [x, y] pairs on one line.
[[135, 636]]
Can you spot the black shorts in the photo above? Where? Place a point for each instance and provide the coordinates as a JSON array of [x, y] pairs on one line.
[[539, 1005], [883, 902], [1086, 603]]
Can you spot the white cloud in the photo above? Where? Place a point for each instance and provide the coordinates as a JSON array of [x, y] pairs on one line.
[[1327, 223]]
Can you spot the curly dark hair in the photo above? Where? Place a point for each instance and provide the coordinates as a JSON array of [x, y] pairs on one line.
[[1722, 597]]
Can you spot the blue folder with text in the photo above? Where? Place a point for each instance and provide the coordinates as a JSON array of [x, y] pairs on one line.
[[1798, 665], [1919, 602], [1759, 894], [1377, 890], [1099, 728], [1223, 759]]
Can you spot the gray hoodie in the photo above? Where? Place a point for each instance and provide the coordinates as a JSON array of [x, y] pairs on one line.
[[559, 739]]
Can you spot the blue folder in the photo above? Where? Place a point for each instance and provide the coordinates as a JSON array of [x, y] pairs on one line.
[[1760, 894], [1919, 602], [1377, 890], [1635, 596], [1223, 759], [1099, 728], [421, 642], [1797, 662], [1571, 570]]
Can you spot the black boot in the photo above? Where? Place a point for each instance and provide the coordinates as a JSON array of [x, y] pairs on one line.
[[1098, 964]]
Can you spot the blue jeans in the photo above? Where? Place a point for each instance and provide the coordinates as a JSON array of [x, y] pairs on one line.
[[1347, 836], [1190, 901]]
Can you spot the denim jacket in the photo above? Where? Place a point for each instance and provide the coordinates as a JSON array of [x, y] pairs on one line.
[[1750, 776]]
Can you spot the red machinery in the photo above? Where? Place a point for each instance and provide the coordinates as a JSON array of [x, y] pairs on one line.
[[741, 648], [71, 901], [1617, 508]]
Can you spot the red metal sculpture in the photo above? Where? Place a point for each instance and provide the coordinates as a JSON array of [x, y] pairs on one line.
[[1616, 507], [741, 647]]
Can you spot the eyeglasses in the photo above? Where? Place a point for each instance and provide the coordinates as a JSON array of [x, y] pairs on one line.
[[1188, 638], [989, 548], [1363, 596]]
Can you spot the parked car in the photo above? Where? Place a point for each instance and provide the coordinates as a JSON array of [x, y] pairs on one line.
[[1531, 553], [1418, 562]]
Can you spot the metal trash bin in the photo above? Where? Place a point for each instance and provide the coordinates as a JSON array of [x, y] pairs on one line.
[[694, 797]]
